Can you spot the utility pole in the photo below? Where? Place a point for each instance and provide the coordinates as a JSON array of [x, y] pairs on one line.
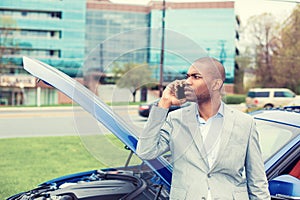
[[101, 58], [161, 77]]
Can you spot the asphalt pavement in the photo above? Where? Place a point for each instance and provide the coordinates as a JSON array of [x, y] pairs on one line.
[[57, 121], [63, 121]]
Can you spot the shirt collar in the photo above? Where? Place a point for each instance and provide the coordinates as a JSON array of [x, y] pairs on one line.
[[221, 109], [219, 114]]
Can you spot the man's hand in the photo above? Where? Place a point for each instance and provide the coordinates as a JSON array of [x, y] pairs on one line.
[[169, 95]]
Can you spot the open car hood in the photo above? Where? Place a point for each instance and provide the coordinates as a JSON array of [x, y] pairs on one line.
[[97, 108]]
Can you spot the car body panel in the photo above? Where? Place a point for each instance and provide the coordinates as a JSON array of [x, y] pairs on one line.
[[285, 186]]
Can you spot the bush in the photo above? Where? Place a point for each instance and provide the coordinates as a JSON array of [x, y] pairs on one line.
[[249, 110], [234, 99]]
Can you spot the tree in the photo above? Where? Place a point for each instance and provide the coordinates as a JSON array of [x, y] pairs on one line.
[[8, 45], [263, 29], [132, 76], [287, 59], [242, 62]]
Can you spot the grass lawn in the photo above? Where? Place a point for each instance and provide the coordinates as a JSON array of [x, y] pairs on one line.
[[27, 162]]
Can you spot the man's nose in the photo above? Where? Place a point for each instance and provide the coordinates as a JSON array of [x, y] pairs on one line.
[[188, 81]]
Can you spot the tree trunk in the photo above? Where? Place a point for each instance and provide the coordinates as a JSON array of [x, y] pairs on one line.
[[133, 94]]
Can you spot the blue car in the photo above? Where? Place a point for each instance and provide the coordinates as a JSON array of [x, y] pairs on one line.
[[279, 137], [280, 142]]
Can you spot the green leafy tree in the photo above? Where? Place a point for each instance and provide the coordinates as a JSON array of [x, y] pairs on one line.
[[287, 60], [132, 76]]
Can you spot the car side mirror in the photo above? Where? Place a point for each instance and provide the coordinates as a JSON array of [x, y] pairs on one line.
[[285, 187]]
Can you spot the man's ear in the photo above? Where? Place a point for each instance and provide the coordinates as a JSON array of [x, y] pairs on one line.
[[218, 83]]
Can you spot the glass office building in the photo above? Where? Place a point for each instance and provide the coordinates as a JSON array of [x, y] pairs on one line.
[[93, 35], [52, 31]]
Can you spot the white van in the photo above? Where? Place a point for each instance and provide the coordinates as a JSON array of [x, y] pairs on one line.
[[269, 97]]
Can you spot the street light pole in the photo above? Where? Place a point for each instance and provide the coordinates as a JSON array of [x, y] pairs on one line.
[[161, 77]]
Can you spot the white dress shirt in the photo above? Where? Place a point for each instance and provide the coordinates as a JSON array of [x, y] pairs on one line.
[[212, 141]]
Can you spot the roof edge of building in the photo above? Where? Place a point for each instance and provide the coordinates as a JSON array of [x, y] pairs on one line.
[[156, 5]]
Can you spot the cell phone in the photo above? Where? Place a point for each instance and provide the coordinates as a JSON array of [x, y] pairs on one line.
[[180, 92]]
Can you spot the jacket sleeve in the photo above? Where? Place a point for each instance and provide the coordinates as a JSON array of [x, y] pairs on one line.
[[255, 172], [154, 140]]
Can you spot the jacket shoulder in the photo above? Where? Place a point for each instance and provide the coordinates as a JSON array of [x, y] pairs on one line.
[[186, 108], [241, 116]]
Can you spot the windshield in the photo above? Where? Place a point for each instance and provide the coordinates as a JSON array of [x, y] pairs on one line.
[[273, 137]]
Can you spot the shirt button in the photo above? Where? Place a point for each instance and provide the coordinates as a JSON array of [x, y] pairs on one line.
[[203, 198], [209, 175]]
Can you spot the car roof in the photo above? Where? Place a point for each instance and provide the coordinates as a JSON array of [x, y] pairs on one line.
[[268, 89], [280, 116]]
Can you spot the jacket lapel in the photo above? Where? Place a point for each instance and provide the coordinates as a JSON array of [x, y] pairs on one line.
[[228, 123], [194, 130]]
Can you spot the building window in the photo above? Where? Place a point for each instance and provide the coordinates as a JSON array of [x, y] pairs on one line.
[[56, 15]]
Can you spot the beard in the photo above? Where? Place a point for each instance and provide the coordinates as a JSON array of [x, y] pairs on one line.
[[197, 97]]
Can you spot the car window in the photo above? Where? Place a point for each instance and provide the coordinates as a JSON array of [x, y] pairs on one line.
[[289, 94], [278, 94], [258, 94], [272, 138], [283, 94], [251, 94]]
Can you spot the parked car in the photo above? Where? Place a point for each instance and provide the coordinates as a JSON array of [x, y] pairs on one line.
[[279, 132], [269, 97], [144, 108], [279, 137]]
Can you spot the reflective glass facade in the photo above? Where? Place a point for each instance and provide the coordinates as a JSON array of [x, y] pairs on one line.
[[50, 30], [113, 36], [66, 33], [193, 30], [197, 32]]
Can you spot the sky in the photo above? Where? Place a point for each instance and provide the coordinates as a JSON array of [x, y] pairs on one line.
[[244, 8]]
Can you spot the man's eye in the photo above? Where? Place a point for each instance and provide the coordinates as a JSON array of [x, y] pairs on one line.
[[196, 76]]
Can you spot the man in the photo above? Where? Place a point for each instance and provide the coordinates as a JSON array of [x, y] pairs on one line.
[[215, 149]]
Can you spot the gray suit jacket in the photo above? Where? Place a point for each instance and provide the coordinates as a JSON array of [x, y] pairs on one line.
[[238, 172]]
